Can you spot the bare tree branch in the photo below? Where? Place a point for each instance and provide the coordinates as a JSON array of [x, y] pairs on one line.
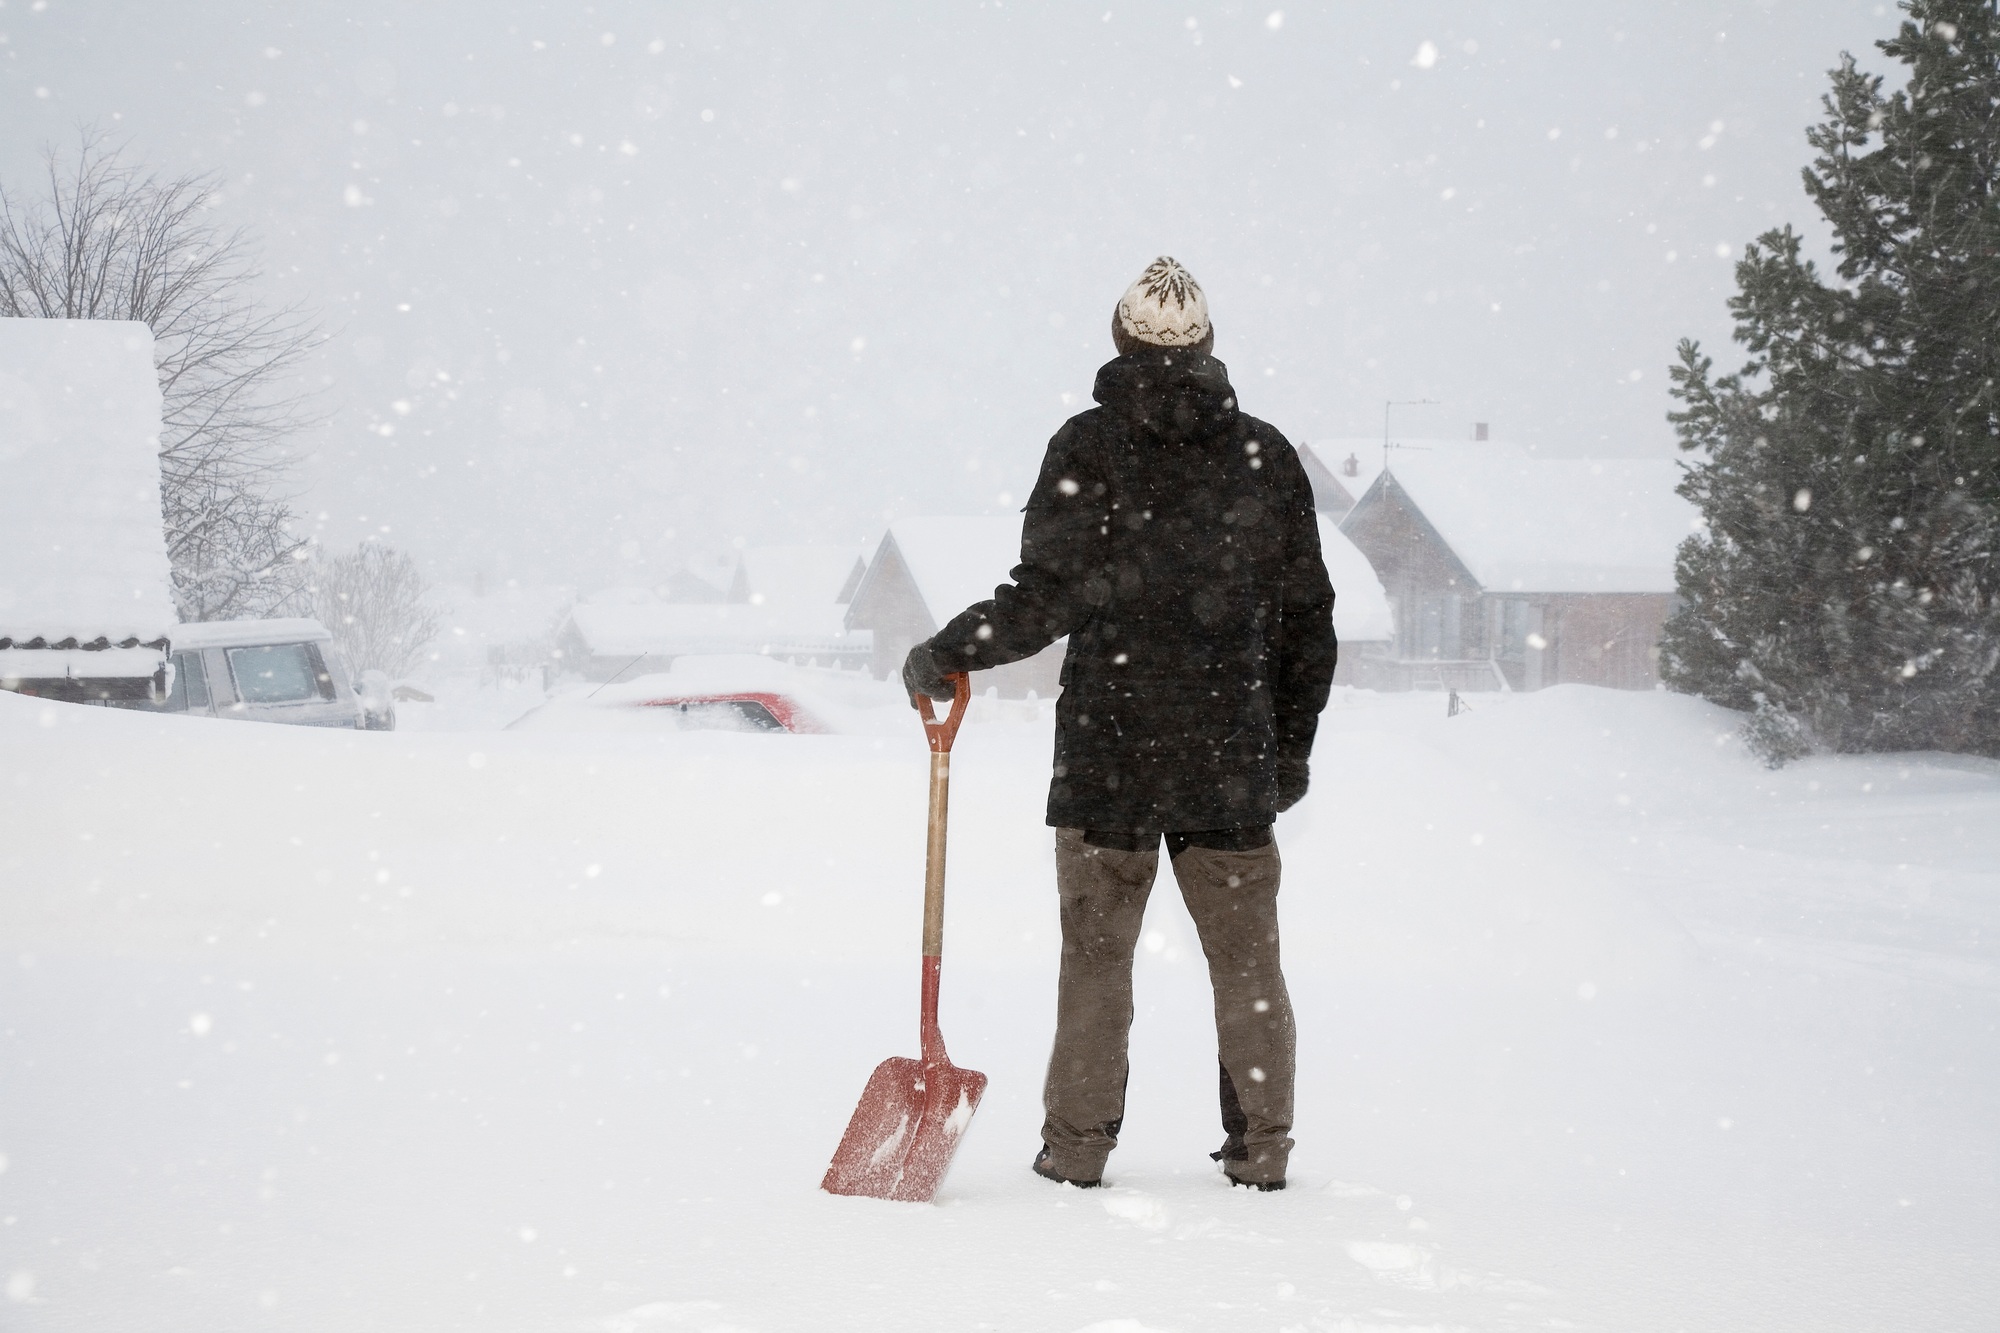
[[104, 241]]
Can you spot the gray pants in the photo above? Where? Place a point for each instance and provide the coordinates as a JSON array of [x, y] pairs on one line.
[[1233, 898]]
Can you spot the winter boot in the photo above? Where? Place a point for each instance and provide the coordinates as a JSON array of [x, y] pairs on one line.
[[1048, 1172]]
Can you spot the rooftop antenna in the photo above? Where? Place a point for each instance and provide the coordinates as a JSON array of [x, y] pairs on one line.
[[1399, 402]]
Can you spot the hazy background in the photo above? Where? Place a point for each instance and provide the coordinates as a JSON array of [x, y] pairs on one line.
[[614, 285]]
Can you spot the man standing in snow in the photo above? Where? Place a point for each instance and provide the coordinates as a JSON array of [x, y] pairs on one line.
[[1172, 538]]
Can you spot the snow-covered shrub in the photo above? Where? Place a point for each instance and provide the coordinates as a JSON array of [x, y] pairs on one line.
[[377, 603], [1775, 735]]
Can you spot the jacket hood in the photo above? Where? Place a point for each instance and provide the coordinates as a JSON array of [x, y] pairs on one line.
[[1168, 392]]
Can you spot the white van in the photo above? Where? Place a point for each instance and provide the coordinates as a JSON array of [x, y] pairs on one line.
[[261, 670]]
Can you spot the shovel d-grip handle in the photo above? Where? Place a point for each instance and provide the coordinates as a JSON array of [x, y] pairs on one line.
[[940, 735]]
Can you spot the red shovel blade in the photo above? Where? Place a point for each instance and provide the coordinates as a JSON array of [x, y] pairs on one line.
[[910, 1120]]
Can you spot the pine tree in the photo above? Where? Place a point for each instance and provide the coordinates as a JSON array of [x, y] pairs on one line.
[[1846, 588]]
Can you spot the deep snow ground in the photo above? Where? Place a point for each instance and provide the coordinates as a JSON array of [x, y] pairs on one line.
[[1603, 1026]]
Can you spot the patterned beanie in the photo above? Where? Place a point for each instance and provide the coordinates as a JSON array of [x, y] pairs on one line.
[[1165, 306]]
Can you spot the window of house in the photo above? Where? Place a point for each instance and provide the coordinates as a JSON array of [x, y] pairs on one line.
[[1424, 627], [1436, 631], [1513, 628]]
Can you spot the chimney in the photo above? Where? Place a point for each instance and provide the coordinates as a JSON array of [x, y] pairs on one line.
[[1351, 468], [1479, 432]]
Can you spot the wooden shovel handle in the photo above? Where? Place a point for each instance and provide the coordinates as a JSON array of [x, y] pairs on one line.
[[942, 734]]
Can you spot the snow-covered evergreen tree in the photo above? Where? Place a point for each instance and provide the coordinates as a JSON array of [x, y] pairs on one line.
[[1846, 589]]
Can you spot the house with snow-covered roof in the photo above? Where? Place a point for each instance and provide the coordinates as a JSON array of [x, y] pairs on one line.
[[1362, 618], [1508, 570], [927, 570], [86, 609], [785, 602], [799, 575], [924, 572], [1341, 471]]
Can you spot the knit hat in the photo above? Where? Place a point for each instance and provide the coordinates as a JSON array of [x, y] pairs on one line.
[[1165, 306]]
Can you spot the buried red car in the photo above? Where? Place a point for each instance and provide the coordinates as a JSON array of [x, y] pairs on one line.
[[757, 710], [743, 694]]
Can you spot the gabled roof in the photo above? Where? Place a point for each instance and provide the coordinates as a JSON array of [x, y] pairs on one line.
[[83, 552], [668, 629], [852, 583], [798, 575], [1519, 523], [1360, 606], [692, 583], [784, 598], [953, 561], [1334, 492]]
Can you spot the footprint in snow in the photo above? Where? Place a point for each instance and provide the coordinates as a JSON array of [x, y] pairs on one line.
[[1141, 1210], [1413, 1266], [1417, 1268], [696, 1315], [1149, 1212]]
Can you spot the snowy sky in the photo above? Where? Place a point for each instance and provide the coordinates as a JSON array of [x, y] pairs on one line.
[[611, 285]]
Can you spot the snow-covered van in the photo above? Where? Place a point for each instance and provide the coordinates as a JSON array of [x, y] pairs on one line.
[[263, 671]]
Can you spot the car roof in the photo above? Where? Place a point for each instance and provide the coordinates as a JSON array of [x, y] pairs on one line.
[[248, 633]]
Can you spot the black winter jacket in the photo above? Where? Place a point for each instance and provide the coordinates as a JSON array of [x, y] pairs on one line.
[[1173, 539]]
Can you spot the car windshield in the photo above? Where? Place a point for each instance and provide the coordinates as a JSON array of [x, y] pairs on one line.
[[275, 673], [723, 715]]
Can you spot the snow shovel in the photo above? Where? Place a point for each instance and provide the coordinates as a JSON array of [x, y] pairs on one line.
[[913, 1112]]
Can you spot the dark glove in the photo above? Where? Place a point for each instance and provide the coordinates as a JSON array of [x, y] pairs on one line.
[[923, 675], [1293, 779]]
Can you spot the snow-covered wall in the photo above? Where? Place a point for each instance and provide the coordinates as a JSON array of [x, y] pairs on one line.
[[83, 551]]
